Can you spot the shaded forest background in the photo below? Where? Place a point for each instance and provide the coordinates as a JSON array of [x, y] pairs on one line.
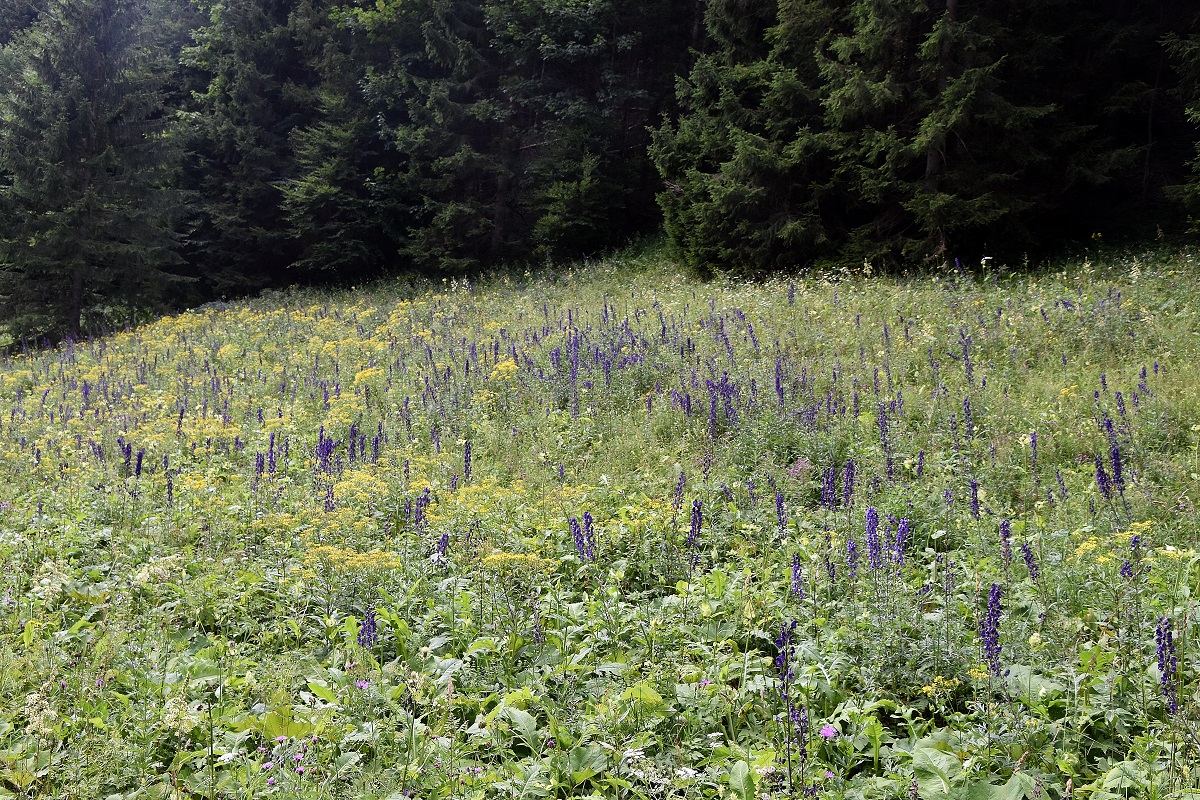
[[158, 153]]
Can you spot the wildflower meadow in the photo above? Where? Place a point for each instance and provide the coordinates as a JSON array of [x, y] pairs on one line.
[[611, 532]]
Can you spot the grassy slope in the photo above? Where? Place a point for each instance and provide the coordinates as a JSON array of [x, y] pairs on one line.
[[178, 627]]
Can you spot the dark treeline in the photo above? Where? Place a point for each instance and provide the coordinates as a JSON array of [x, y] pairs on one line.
[[155, 153]]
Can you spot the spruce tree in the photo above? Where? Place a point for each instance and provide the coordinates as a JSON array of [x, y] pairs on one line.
[[86, 164], [903, 130], [254, 73], [461, 133], [1184, 50]]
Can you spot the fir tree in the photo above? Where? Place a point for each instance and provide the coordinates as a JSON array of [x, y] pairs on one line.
[[85, 169], [254, 74]]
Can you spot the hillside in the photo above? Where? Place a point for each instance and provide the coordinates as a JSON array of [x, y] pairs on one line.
[[612, 532]]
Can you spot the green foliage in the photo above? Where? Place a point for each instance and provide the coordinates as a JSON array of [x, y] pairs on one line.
[[454, 135], [1185, 57], [252, 76], [902, 131], [86, 169], [237, 566]]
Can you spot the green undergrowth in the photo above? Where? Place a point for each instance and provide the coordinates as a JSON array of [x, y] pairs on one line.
[[614, 533]]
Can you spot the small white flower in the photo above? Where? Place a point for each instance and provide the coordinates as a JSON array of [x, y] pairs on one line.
[[633, 754]]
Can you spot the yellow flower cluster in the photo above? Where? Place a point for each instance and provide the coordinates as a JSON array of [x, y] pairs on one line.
[[341, 560], [505, 370], [513, 564], [941, 686]]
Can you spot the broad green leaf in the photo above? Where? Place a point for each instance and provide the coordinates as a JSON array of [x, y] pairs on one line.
[[324, 692], [525, 725], [1018, 787], [586, 761], [1126, 775], [943, 766], [643, 693], [741, 781]]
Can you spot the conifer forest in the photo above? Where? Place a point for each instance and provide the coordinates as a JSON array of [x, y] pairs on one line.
[[156, 154], [599, 400]]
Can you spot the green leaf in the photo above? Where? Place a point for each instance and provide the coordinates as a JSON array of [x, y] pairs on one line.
[[1018, 787], [644, 694], [27, 635], [324, 692], [1126, 775], [345, 761], [525, 724], [945, 768], [586, 761], [741, 781]]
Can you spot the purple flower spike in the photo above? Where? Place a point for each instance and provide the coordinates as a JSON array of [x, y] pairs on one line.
[[874, 549], [989, 630]]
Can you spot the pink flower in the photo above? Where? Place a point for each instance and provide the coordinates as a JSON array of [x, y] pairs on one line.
[[829, 732], [270, 781], [829, 775], [268, 765], [361, 684]]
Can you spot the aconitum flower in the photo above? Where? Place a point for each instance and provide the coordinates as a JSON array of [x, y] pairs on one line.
[[874, 549], [902, 528], [797, 578], [589, 535], [848, 484], [851, 558], [467, 462], [1164, 637], [1102, 480], [1030, 563], [577, 536], [1006, 542], [368, 632], [974, 498], [989, 630], [1118, 476], [781, 514]]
